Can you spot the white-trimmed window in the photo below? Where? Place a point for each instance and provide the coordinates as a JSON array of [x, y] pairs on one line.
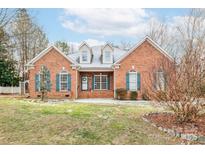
[[160, 80], [100, 82], [107, 56], [39, 81], [63, 81], [84, 56], [132, 81]]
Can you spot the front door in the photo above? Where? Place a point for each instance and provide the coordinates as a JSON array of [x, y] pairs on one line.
[[84, 83]]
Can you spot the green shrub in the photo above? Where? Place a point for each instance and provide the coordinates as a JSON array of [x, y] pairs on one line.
[[133, 95], [121, 93], [145, 96]]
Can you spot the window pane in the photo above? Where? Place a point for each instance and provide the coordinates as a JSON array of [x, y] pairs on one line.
[[97, 85], [100, 82], [64, 78], [104, 85], [132, 81], [97, 78], [107, 55], [132, 86], [84, 56], [132, 77], [104, 78], [63, 86], [63, 82]]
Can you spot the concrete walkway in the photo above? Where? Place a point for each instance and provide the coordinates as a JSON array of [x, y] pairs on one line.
[[114, 102]]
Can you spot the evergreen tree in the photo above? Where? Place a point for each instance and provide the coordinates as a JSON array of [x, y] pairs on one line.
[[63, 46], [8, 74]]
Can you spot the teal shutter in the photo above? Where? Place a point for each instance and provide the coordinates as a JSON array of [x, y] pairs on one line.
[[154, 81], [81, 83], [48, 81], [37, 82], [88, 83], [127, 81], [166, 81], [69, 82], [108, 82], [138, 81], [57, 82], [93, 82]]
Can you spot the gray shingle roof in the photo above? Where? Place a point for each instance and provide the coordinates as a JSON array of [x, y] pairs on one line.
[[96, 61]]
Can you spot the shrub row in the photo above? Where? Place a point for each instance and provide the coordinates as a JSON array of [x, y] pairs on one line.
[[121, 94]]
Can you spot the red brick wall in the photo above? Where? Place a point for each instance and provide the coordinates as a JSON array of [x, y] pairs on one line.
[[90, 93], [54, 61], [144, 59]]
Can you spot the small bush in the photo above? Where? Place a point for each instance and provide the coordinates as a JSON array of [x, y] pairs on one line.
[[145, 96], [121, 93], [133, 95], [186, 111]]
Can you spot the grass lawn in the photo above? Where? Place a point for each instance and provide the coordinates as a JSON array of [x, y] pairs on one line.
[[24, 122]]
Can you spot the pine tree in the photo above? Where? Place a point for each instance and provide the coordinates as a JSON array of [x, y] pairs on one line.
[[8, 74], [63, 46]]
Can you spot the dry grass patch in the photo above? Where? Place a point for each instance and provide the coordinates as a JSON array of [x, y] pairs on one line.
[[25, 122]]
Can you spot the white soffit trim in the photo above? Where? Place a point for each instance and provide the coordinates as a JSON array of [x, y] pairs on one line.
[[138, 44], [107, 44], [45, 51], [96, 70], [84, 43]]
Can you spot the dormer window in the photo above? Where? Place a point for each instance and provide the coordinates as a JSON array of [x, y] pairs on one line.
[[86, 53], [107, 56], [84, 56], [107, 52]]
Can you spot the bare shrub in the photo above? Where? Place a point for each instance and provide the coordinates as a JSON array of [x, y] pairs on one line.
[[179, 83]]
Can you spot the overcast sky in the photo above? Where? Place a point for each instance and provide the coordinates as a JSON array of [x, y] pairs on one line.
[[97, 26]]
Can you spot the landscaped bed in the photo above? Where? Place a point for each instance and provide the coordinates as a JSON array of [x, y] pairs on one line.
[[25, 121], [167, 122]]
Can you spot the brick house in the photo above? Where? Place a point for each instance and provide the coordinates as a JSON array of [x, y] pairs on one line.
[[95, 72]]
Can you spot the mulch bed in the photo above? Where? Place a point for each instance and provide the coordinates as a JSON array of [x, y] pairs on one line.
[[167, 120]]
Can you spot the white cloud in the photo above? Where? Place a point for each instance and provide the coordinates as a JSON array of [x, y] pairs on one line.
[[93, 42], [90, 42], [105, 22]]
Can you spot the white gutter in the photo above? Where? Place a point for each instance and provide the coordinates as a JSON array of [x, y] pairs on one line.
[[76, 74], [114, 83]]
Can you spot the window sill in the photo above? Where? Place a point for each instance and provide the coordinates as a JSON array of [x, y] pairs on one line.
[[101, 89], [64, 91], [133, 90]]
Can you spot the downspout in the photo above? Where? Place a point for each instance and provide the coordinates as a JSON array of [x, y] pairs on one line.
[[115, 66], [114, 81], [76, 74]]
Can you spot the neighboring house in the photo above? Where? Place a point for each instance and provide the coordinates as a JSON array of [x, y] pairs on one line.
[[95, 72]]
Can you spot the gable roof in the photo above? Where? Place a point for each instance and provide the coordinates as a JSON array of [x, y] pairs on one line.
[[118, 54], [107, 44], [84, 43], [152, 42], [45, 51]]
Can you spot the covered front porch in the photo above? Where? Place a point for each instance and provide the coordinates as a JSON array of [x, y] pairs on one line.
[[95, 85]]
